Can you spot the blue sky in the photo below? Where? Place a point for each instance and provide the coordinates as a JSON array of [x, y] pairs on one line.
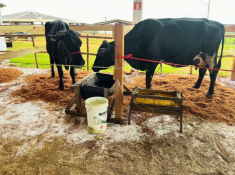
[[91, 11]]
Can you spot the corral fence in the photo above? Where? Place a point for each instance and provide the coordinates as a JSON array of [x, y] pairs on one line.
[[118, 31], [40, 28]]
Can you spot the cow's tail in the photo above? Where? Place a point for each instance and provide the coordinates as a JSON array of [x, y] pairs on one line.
[[219, 63]]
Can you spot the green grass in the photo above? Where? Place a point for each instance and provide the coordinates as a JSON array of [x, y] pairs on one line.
[[93, 47]]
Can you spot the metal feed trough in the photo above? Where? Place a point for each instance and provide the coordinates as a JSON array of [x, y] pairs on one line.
[[157, 101], [94, 84]]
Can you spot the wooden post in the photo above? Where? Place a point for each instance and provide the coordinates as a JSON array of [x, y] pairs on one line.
[[191, 70], [36, 59], [233, 73], [87, 42], [119, 72]]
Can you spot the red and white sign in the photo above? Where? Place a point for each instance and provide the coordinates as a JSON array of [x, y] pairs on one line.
[[137, 5]]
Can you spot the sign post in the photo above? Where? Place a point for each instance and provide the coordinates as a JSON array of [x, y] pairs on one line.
[[137, 11]]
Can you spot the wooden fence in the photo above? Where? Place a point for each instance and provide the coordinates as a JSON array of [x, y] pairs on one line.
[[119, 30], [42, 49]]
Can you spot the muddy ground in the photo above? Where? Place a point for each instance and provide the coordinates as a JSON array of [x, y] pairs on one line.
[[37, 137]]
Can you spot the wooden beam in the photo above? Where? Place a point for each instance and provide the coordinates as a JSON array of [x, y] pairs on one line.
[[233, 73], [92, 27], [41, 28], [35, 55], [28, 35], [19, 53], [229, 28], [21, 28], [98, 37], [87, 45], [119, 73], [191, 70]]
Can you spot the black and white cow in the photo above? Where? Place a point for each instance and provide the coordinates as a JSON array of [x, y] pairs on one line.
[[182, 41], [63, 46]]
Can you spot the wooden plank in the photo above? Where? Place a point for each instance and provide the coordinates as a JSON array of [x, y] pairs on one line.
[[119, 73], [229, 36], [21, 28], [84, 36], [231, 51], [41, 28], [71, 103], [80, 82], [28, 35], [19, 53], [233, 73], [36, 59], [229, 28], [191, 70], [87, 45], [91, 27], [43, 35], [97, 37]]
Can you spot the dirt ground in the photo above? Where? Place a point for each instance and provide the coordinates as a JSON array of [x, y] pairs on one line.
[[37, 137]]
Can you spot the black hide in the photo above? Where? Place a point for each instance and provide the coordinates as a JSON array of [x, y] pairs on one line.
[[60, 43], [172, 40]]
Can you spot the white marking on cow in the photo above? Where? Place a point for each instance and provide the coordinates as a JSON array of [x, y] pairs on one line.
[[202, 62], [210, 61]]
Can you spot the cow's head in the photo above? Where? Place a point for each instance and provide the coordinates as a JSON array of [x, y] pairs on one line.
[[105, 56], [68, 42]]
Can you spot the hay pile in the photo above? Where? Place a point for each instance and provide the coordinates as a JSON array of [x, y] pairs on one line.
[[8, 74], [218, 109], [43, 87]]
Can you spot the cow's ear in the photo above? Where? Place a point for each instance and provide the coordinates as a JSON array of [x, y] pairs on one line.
[[64, 56], [58, 36], [105, 43], [60, 33]]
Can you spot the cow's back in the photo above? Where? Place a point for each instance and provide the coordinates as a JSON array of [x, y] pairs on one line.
[[174, 40]]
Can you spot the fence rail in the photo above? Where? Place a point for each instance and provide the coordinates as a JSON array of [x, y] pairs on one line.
[[42, 49]]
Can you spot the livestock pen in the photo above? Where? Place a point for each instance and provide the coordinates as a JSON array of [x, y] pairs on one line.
[[118, 32], [38, 138]]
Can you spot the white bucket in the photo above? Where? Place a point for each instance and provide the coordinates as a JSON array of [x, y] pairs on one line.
[[96, 108]]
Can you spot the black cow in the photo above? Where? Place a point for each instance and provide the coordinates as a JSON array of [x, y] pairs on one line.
[[63, 46], [181, 41]]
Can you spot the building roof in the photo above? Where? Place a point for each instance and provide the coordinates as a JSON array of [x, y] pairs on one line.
[[2, 5], [115, 21], [30, 16]]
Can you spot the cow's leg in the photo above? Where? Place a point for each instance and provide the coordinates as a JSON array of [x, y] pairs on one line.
[[149, 75], [60, 72], [72, 73], [52, 66], [202, 73], [213, 76]]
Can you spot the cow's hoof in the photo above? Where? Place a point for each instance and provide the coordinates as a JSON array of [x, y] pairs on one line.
[[209, 96], [61, 88], [53, 76]]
